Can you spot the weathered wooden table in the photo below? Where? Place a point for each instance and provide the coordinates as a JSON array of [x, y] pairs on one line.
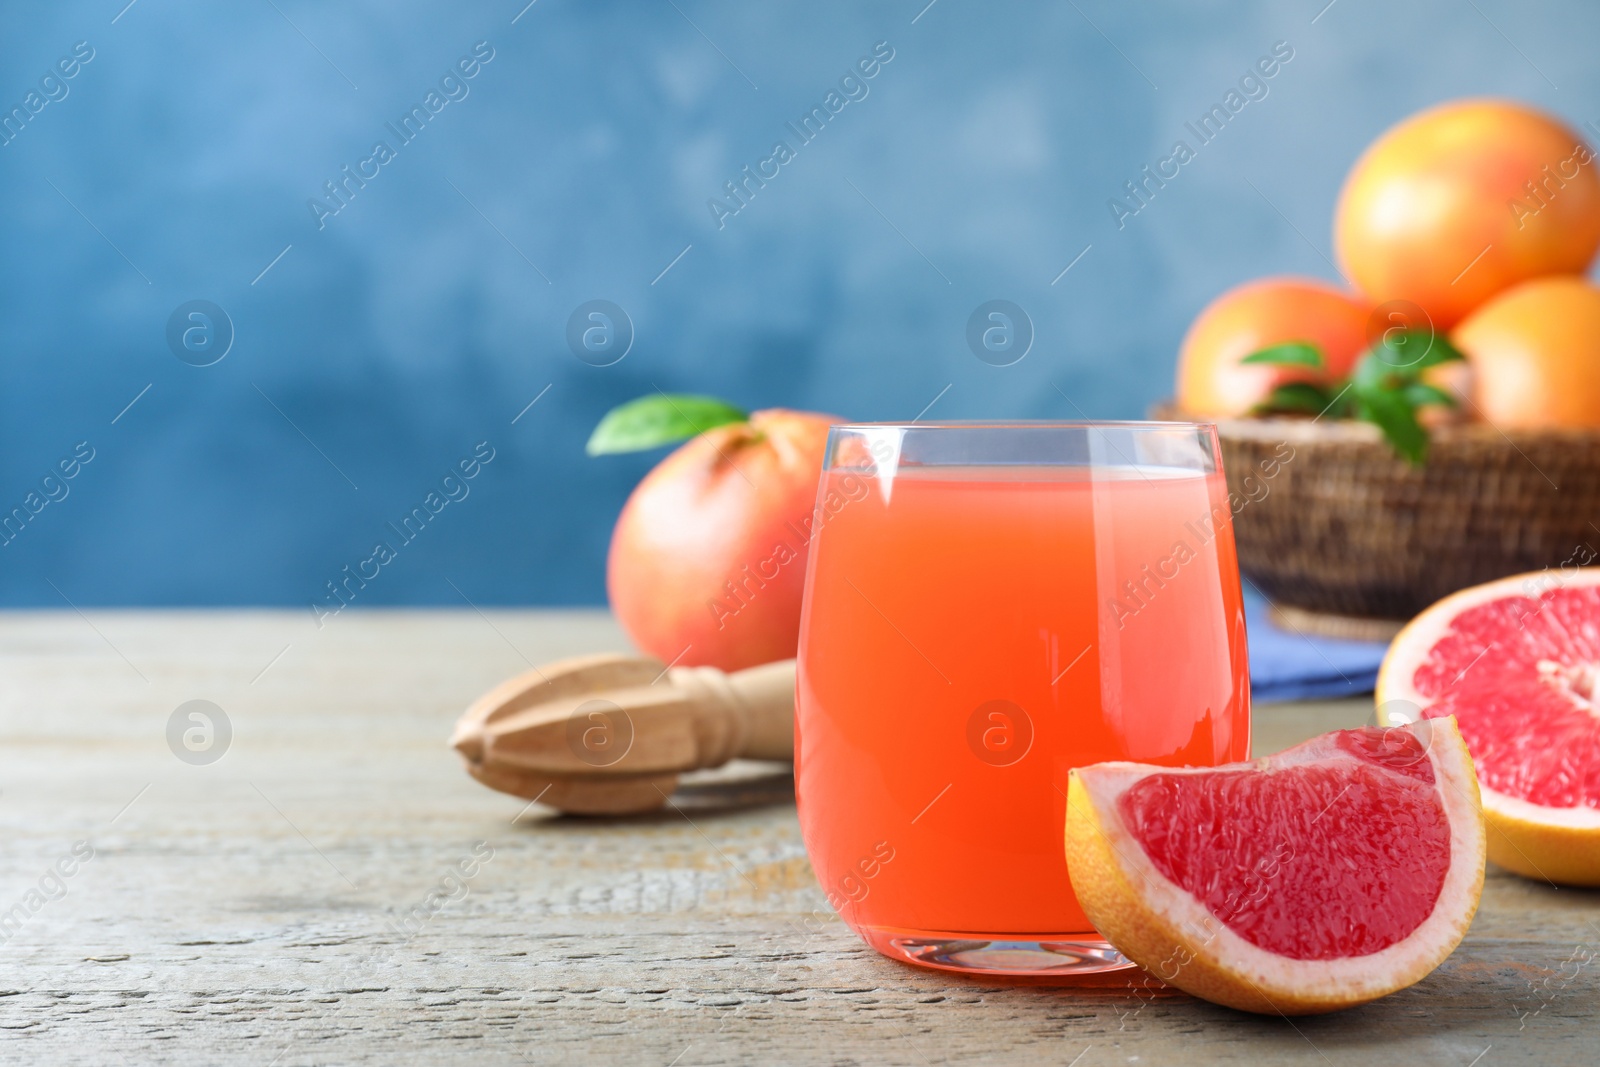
[[334, 889]]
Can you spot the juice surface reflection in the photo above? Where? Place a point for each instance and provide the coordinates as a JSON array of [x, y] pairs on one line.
[[972, 634]]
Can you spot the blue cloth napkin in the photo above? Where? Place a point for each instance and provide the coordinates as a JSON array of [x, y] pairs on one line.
[[1285, 665]]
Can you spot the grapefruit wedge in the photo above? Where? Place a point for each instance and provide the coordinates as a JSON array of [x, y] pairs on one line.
[[1517, 662], [1331, 874]]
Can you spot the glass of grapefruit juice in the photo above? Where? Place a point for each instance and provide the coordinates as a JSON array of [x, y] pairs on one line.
[[988, 606]]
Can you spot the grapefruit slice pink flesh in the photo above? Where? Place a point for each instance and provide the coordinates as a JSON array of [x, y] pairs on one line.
[[1328, 875], [1517, 663]]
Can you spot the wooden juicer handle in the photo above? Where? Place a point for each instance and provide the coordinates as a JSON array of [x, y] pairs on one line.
[[609, 734]]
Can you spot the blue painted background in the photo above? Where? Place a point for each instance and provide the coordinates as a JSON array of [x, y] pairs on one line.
[[422, 319]]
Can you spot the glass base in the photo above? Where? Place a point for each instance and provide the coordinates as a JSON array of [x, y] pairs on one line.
[[1043, 955]]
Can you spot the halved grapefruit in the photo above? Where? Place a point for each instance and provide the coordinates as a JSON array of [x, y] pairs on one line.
[[1331, 874], [1517, 663]]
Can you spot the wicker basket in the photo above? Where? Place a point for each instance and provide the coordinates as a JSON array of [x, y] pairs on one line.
[[1345, 538]]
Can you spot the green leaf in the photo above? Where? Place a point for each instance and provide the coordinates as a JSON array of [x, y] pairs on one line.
[[1344, 402], [1288, 354], [1410, 352], [1441, 351], [1397, 419], [659, 419], [1374, 371], [1420, 394], [1295, 396]]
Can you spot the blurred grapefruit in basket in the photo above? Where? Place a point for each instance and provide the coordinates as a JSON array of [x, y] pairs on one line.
[[1464, 444], [1268, 311], [708, 557], [1464, 200], [1535, 354]]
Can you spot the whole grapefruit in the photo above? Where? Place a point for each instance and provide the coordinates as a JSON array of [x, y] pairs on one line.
[[1535, 354], [1268, 311], [1464, 200], [708, 558]]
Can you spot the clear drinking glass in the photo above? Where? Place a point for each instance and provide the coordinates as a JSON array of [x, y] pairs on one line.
[[989, 605]]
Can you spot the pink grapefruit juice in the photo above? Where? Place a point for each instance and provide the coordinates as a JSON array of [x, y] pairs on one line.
[[970, 634]]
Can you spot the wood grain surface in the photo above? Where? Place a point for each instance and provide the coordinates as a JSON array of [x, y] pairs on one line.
[[334, 889]]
